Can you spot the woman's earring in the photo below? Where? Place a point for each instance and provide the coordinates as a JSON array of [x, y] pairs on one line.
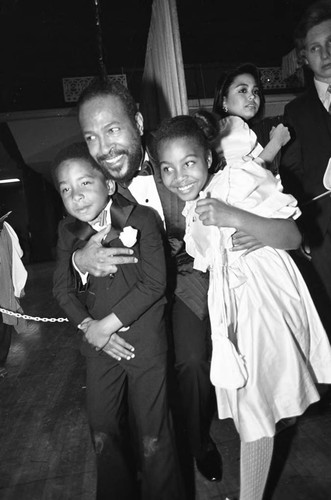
[[225, 108]]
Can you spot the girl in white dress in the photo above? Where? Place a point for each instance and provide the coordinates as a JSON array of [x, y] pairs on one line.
[[269, 346]]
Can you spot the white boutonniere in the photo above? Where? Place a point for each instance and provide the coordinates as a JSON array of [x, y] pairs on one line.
[[128, 236]]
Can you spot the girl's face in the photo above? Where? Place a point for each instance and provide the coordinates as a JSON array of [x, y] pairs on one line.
[[184, 166], [243, 97]]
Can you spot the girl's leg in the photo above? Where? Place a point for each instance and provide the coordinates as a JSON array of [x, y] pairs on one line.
[[255, 459]]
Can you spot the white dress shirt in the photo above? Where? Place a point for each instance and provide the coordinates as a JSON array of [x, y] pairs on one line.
[[323, 94], [143, 189]]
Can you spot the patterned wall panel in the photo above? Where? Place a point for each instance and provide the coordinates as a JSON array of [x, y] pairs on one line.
[[272, 78], [72, 87]]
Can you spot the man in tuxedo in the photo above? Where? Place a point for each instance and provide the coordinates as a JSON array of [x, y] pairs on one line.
[[113, 128], [305, 158]]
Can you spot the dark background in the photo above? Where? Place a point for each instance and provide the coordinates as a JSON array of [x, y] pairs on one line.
[[43, 41]]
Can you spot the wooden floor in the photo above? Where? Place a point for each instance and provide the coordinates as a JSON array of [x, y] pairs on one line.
[[45, 449]]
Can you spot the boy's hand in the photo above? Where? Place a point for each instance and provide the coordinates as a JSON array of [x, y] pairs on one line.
[[112, 344], [280, 135], [84, 324], [100, 261], [117, 348]]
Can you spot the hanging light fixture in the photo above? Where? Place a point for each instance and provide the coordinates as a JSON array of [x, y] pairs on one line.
[[73, 86], [102, 66]]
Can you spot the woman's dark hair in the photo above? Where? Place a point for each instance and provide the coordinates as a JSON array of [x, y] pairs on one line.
[[224, 83], [316, 14], [75, 151]]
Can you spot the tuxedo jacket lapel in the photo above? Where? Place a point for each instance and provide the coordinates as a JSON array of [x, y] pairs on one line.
[[81, 230], [120, 211], [126, 193], [318, 114]]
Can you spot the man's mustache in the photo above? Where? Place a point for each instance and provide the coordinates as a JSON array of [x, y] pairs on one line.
[[112, 154]]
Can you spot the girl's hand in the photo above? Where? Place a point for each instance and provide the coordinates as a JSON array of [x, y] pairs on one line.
[[280, 135], [214, 212]]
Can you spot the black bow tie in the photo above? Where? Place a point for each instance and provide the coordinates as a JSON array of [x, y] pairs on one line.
[[101, 219], [146, 168]]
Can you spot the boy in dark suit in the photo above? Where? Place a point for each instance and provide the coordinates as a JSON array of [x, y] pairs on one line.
[[131, 304], [305, 159]]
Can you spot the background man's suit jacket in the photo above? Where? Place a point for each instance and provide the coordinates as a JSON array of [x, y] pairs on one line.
[[304, 161], [302, 168]]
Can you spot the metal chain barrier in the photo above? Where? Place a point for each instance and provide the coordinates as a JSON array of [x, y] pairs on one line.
[[33, 318]]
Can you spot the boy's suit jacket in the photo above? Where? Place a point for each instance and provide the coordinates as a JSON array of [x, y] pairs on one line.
[[304, 161], [136, 291]]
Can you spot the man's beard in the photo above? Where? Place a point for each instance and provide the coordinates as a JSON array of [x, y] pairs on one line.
[[133, 161]]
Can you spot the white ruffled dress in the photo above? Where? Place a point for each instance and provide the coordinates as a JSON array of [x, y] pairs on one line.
[[269, 346]]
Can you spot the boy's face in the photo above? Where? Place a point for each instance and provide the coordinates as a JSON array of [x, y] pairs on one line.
[[84, 190], [317, 51], [184, 167]]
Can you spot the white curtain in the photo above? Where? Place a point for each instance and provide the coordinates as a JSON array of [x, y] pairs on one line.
[[290, 65], [163, 91]]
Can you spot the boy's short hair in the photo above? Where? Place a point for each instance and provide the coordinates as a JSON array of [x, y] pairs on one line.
[[316, 14], [75, 151]]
